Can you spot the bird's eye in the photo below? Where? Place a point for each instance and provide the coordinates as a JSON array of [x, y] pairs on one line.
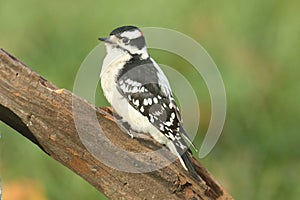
[[125, 40]]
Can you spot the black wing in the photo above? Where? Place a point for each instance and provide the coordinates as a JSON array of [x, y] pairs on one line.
[[140, 83]]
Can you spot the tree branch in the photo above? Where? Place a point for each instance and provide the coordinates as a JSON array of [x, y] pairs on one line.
[[41, 112]]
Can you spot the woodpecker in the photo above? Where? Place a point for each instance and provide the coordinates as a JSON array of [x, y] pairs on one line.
[[140, 93]]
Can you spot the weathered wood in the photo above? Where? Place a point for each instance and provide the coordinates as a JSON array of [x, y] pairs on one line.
[[41, 112]]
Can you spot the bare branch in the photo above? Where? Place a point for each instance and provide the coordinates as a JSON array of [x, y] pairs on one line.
[[41, 112]]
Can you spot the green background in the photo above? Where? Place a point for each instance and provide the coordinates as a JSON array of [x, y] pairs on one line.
[[255, 45]]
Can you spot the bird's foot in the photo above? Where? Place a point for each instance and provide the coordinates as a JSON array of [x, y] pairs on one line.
[[125, 127], [109, 113]]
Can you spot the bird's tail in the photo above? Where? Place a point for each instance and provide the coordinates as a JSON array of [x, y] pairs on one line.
[[186, 158]]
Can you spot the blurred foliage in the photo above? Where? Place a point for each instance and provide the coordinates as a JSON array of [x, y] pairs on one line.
[[255, 44]]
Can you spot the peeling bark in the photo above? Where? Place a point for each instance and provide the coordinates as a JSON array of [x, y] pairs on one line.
[[41, 112]]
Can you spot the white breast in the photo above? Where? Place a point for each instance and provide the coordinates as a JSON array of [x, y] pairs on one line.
[[134, 118]]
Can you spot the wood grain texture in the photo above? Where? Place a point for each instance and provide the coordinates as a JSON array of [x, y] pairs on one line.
[[44, 114]]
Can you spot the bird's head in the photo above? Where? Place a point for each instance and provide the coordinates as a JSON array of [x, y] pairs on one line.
[[128, 39]]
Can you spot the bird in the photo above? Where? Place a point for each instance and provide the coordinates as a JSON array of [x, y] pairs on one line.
[[140, 94]]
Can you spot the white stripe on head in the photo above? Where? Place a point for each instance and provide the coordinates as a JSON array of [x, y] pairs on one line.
[[132, 34]]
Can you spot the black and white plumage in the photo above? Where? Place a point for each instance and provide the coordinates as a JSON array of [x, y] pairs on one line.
[[140, 93]]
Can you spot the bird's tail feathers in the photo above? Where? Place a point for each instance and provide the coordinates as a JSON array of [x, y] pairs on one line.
[[188, 165], [188, 139], [184, 158]]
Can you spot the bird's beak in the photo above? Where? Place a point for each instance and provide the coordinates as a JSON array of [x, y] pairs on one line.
[[106, 40]]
